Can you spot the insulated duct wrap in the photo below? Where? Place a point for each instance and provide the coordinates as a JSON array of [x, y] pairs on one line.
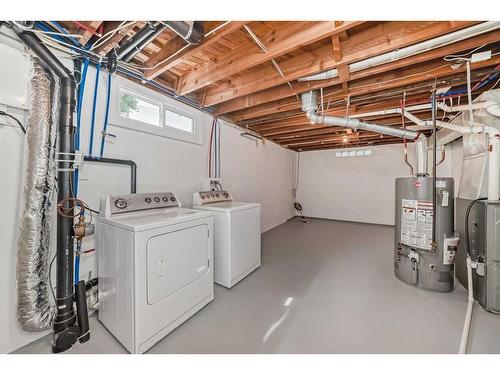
[[34, 310]]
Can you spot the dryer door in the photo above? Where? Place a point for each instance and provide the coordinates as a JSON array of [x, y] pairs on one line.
[[175, 260]]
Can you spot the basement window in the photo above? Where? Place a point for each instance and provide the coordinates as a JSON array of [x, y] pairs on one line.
[[134, 107], [140, 109], [353, 153], [178, 121]]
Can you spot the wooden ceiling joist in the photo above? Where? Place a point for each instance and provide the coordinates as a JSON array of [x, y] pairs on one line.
[[376, 40], [277, 43], [283, 91], [168, 58], [249, 72], [390, 80]]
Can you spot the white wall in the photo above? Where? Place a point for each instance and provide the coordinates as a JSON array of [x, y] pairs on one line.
[[252, 172], [358, 188]]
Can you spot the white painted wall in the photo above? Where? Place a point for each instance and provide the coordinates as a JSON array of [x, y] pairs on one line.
[[359, 188], [258, 172]]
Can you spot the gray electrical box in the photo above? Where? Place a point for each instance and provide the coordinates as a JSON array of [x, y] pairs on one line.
[[484, 238], [416, 261]]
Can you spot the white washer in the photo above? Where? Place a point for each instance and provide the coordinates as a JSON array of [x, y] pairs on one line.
[[154, 266], [237, 235]]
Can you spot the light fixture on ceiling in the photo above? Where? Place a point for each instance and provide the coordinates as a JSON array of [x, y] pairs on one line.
[[345, 139]]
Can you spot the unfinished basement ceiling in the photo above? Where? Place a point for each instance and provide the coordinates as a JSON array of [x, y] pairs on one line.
[[250, 72]]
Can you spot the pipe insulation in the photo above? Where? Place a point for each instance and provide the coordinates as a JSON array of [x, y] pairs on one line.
[[34, 310], [409, 51]]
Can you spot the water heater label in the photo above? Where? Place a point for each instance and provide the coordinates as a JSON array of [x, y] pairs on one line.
[[416, 223]]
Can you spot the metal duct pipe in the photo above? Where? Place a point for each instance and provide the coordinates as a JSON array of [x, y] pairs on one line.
[[191, 32], [310, 107], [65, 331], [412, 50], [34, 310]]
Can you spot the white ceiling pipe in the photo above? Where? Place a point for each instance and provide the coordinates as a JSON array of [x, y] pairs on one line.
[[490, 106], [310, 107], [494, 152], [391, 111], [412, 50]]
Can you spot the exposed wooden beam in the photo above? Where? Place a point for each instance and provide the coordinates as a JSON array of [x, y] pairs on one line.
[[283, 91], [168, 59], [390, 80], [115, 39], [378, 39], [277, 43]]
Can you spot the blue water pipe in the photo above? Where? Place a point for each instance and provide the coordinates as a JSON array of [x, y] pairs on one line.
[[94, 108], [105, 127], [64, 31], [79, 105], [77, 262]]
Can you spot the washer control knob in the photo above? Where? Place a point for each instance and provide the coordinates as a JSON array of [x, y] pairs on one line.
[[165, 199], [172, 199], [121, 203], [202, 196], [156, 199], [148, 200], [217, 195], [225, 194]]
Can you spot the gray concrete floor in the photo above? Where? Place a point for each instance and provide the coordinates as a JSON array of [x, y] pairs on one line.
[[324, 287]]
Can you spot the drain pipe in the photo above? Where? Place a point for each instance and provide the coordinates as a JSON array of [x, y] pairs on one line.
[[310, 107], [146, 39], [191, 32], [65, 331]]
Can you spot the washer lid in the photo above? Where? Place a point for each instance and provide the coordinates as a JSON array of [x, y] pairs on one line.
[[141, 221], [230, 206]]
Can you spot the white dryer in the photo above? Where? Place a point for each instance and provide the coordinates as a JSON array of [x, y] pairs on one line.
[[155, 266], [237, 250]]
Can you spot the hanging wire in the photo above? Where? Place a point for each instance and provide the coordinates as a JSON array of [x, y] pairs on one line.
[[275, 64]]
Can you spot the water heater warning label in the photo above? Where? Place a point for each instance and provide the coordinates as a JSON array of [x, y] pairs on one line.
[[416, 223]]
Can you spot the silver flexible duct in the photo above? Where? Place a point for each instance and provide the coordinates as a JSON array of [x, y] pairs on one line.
[[34, 310], [310, 107]]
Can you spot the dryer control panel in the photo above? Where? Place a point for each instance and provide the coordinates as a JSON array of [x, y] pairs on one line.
[[203, 197], [116, 204]]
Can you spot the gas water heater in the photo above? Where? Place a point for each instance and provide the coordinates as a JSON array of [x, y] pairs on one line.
[[425, 244]]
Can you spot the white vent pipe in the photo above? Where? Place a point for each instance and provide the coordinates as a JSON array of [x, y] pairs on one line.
[[415, 49], [494, 152], [310, 107]]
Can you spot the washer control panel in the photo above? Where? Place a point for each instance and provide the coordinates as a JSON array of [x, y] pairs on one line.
[[204, 197], [137, 202]]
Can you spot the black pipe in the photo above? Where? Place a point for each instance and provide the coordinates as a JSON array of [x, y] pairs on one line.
[[144, 33], [139, 47], [92, 283], [82, 311], [132, 164], [65, 331], [191, 33]]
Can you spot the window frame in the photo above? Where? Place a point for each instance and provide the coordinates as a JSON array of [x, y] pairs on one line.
[[121, 85], [144, 99]]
